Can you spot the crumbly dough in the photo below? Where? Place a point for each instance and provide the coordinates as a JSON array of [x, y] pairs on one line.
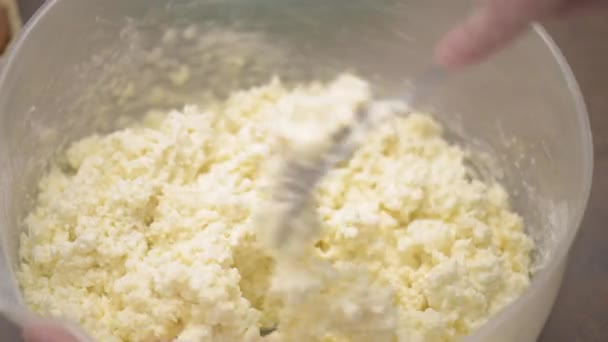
[[150, 232]]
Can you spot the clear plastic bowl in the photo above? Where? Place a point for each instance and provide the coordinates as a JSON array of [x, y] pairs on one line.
[[82, 65]]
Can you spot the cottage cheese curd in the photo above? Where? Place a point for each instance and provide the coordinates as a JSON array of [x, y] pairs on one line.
[[154, 231]]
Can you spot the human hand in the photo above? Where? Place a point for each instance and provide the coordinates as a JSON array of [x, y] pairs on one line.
[[47, 332], [496, 22]]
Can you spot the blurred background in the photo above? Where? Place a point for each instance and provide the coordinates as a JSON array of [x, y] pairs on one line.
[[581, 311]]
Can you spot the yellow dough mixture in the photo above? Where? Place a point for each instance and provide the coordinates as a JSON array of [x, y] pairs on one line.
[[154, 231]]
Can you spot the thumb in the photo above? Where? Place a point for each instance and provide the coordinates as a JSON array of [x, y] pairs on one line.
[[47, 332], [489, 28]]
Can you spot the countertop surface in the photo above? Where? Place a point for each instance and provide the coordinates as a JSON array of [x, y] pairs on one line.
[[581, 310]]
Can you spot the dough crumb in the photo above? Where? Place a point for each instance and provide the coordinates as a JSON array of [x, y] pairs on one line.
[[149, 232]]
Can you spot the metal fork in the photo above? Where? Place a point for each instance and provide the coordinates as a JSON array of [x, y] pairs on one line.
[[300, 176]]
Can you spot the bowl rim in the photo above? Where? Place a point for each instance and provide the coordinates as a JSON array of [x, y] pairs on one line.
[[541, 277]]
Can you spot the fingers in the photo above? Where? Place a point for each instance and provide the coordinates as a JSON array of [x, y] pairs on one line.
[[490, 27], [47, 332], [52, 332]]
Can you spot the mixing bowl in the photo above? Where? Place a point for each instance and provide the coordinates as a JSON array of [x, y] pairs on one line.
[[84, 66]]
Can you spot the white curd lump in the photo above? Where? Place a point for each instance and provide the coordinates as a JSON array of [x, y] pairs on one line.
[[154, 232]]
